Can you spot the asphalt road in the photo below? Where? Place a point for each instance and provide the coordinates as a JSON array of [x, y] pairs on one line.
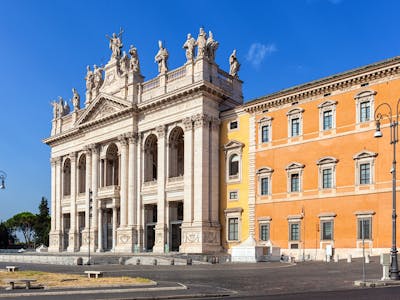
[[309, 280]]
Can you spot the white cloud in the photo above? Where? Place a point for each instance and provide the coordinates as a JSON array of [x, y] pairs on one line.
[[257, 53]]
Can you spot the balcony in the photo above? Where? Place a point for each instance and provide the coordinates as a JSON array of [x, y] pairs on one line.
[[111, 191]]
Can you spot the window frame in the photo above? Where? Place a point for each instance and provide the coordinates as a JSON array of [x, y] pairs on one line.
[[362, 158], [293, 114], [265, 121], [230, 194], [233, 148], [264, 173], [233, 122], [324, 107], [327, 163], [295, 168], [361, 98], [233, 213]]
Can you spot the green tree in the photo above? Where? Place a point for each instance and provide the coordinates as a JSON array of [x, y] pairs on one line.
[[23, 222], [42, 224], [6, 236]]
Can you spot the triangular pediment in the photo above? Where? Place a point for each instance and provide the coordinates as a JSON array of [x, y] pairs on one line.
[[233, 144], [103, 106]]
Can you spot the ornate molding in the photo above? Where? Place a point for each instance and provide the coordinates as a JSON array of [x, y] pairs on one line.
[[72, 157], [123, 140], [201, 120], [132, 137], [160, 131], [94, 148], [188, 123], [215, 122]]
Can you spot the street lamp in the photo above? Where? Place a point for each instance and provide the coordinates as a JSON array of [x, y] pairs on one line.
[[90, 216], [394, 135], [3, 177]]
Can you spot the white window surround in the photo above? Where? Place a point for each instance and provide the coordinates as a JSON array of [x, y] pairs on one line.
[[231, 148], [324, 163], [364, 215], [233, 191], [328, 105], [265, 121], [363, 97], [364, 157], [294, 219], [264, 221], [230, 213], [265, 172], [326, 217], [237, 125], [295, 168], [295, 113]]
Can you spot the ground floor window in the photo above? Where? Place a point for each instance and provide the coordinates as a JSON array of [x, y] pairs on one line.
[[294, 231], [327, 230], [264, 232], [233, 229], [364, 228]]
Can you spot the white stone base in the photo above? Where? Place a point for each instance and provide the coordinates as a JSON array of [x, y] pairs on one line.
[[126, 239], [200, 239], [85, 241], [55, 241], [248, 251]]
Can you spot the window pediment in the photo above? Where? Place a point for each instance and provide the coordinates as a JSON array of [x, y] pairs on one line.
[[265, 170], [233, 145], [327, 103], [365, 154], [327, 160], [295, 111], [364, 94], [265, 120], [294, 166]]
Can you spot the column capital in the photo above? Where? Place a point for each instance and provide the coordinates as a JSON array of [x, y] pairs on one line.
[[122, 139], [188, 123], [72, 156], [94, 148], [55, 160], [215, 122], [201, 120], [160, 131], [132, 137]]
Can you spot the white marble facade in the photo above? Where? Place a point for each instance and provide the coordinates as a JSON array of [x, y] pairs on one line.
[[144, 152]]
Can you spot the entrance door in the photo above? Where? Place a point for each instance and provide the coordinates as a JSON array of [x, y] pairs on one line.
[[150, 236], [108, 229], [175, 236]]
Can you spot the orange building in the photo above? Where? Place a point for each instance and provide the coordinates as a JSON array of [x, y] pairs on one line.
[[322, 182]]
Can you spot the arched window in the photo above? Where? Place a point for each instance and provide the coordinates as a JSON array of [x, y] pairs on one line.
[[176, 152], [82, 174], [67, 177], [234, 165], [112, 165], [150, 158]]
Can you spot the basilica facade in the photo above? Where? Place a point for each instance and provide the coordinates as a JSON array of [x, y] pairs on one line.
[[136, 167]]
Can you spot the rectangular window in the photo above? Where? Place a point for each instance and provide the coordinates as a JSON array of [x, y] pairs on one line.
[[327, 230], [233, 229], [264, 232], [294, 231], [295, 182], [295, 127], [327, 178], [327, 120], [365, 173], [364, 228], [365, 111], [233, 125], [265, 134], [264, 186], [233, 195]]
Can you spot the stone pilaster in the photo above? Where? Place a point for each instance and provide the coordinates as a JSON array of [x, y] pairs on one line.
[[252, 172], [73, 237], [139, 179], [55, 233], [160, 238], [214, 172], [95, 207], [88, 205]]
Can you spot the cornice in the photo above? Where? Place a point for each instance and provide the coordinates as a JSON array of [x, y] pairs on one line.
[[326, 85]]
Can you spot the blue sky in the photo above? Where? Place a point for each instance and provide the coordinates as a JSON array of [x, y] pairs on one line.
[[46, 46]]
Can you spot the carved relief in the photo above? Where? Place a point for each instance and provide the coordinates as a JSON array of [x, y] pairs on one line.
[[191, 237], [124, 239], [160, 131], [188, 123], [201, 120], [210, 237]]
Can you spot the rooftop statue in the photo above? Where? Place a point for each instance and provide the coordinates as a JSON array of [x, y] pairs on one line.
[[76, 99], [97, 77], [89, 79], [116, 44], [124, 63], [63, 107], [201, 43], [189, 45], [234, 64], [161, 58], [211, 46], [134, 61]]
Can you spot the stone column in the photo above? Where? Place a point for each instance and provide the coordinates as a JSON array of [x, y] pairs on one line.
[[124, 237], [114, 225], [100, 230], [72, 231], [55, 233], [139, 173], [161, 163], [214, 172], [188, 184], [88, 187], [95, 204]]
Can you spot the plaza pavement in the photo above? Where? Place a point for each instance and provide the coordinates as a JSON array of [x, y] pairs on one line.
[[240, 281]]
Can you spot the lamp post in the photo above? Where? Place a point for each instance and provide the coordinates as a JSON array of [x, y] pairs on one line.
[[394, 134], [90, 216], [3, 177]]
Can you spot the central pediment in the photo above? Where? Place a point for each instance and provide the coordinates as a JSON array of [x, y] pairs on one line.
[[102, 107]]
